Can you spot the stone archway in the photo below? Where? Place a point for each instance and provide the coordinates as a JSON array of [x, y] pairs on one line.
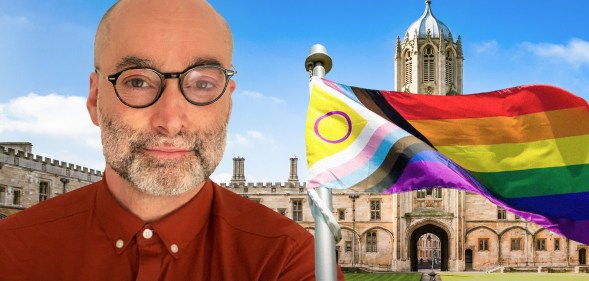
[[433, 229]]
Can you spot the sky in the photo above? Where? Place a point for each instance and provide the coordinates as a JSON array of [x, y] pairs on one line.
[[46, 56]]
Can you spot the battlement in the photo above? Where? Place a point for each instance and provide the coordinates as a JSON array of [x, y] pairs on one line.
[[266, 188], [11, 156], [238, 182]]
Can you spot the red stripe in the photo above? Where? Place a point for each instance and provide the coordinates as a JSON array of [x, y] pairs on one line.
[[508, 102]]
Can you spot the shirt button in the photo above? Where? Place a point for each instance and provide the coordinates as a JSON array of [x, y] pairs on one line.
[[120, 244], [147, 233], [174, 248]]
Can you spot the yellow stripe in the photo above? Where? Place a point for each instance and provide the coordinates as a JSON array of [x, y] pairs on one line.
[[497, 130], [520, 156], [331, 128]]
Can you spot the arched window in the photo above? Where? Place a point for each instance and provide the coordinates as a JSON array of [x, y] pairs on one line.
[[408, 68], [449, 68], [428, 65]]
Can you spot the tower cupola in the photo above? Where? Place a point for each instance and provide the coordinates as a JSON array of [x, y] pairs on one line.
[[427, 59], [427, 24]]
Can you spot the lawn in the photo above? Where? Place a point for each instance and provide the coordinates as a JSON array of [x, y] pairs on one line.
[[453, 276], [383, 276]]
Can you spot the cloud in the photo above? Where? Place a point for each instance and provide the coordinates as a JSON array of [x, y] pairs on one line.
[[250, 139], [277, 100], [220, 177], [486, 47], [239, 139], [576, 52], [14, 20], [253, 95], [260, 96], [258, 136], [63, 117]]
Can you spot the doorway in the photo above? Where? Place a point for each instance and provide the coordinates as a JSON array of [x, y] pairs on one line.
[[432, 230], [468, 260]]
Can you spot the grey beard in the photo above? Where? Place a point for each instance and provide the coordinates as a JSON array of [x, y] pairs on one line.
[[124, 151]]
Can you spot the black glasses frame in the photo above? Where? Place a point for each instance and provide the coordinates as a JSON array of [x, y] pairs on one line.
[[170, 75]]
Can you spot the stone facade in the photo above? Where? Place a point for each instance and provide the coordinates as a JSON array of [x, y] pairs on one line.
[[27, 179], [385, 231]]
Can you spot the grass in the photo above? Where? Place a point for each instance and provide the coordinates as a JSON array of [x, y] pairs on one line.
[[454, 276], [382, 276]]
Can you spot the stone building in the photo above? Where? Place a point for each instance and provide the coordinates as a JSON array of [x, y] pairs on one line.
[[466, 231], [27, 179], [388, 232]]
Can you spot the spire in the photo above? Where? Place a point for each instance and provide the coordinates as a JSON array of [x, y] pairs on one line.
[[428, 7], [293, 170], [426, 22], [398, 48], [238, 171]]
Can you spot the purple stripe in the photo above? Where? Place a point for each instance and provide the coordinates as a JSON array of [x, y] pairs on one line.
[[427, 174]]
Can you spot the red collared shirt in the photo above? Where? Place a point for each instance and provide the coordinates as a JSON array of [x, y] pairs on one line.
[[218, 235]]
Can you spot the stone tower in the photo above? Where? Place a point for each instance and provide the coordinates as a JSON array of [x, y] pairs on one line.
[[428, 60]]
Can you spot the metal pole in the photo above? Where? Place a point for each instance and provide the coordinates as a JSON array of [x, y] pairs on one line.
[[320, 63], [354, 197]]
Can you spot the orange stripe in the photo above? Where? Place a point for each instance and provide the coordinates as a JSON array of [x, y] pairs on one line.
[[496, 130]]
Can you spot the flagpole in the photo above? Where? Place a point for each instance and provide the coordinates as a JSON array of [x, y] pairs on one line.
[[318, 63]]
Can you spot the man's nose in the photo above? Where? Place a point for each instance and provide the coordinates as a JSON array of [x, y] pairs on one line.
[[170, 111]]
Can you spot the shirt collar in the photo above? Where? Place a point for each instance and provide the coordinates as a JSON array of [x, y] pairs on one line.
[[182, 225], [177, 228]]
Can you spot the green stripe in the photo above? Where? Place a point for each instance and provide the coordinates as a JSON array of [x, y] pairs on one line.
[[537, 182]]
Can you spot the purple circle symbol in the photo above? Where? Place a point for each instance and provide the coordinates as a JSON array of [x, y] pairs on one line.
[[343, 114]]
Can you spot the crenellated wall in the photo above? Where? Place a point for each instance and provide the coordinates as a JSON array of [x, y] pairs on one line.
[[27, 179], [10, 156]]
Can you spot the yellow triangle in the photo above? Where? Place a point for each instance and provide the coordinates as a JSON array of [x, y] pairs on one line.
[[328, 124]]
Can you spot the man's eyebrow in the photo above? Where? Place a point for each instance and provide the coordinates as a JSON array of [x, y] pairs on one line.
[[132, 61], [204, 61]]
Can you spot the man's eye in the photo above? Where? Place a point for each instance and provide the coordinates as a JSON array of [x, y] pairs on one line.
[[200, 85], [204, 85], [137, 83]]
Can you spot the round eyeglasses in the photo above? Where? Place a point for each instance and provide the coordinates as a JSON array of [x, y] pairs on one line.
[[140, 87]]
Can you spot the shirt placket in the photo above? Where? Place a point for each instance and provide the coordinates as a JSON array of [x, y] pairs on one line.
[[151, 252]]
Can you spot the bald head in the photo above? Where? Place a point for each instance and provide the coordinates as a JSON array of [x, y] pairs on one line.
[[134, 12]]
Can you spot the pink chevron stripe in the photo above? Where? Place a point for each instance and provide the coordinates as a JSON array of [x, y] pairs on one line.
[[359, 160], [333, 85]]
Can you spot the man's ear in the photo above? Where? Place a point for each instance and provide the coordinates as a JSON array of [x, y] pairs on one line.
[[92, 102], [230, 89]]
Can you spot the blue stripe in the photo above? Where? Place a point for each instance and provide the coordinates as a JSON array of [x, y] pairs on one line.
[[572, 206], [372, 165]]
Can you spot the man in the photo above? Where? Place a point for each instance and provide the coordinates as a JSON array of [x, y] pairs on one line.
[[161, 94]]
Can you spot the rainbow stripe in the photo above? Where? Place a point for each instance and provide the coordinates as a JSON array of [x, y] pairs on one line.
[[524, 148]]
